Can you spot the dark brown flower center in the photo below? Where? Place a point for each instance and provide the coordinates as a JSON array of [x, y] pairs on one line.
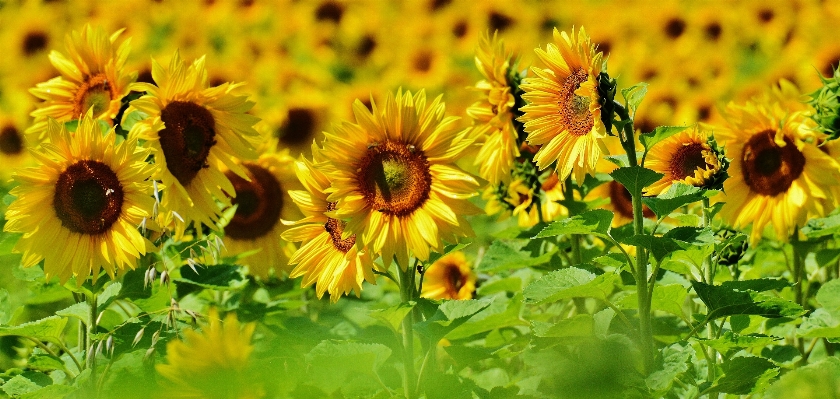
[[336, 228], [259, 203], [11, 143], [574, 109], [423, 61], [454, 278], [329, 11], [88, 197], [96, 92], [34, 42], [187, 138], [622, 201], [769, 169], [674, 28], [686, 160], [299, 127], [394, 178], [498, 21]]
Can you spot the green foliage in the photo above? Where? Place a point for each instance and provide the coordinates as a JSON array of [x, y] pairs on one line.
[[635, 178], [570, 283]]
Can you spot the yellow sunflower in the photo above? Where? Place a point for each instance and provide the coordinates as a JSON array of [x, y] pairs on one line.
[[96, 194], [450, 277], [395, 180], [516, 199], [213, 363], [500, 149], [262, 203], [328, 257], [195, 132], [686, 157], [92, 77], [563, 114], [775, 176]]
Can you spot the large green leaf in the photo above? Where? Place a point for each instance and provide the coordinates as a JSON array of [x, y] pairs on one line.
[[596, 222], [820, 380], [675, 361], [334, 363], [569, 283], [393, 316], [217, 277], [743, 298], [512, 254], [730, 340], [742, 375], [658, 134], [581, 325], [822, 227], [678, 195], [635, 178], [47, 329], [492, 318], [449, 315]]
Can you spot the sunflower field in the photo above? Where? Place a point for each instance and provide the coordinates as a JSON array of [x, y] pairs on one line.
[[243, 199]]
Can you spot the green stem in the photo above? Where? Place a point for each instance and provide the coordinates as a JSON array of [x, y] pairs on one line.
[[628, 141], [709, 277], [90, 344], [407, 295], [82, 331]]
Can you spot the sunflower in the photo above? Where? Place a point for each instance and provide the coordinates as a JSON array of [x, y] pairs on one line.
[[563, 114], [213, 363], [395, 182], [13, 145], [99, 193], [775, 176], [327, 257], [516, 199], [92, 77], [262, 202], [450, 277], [686, 157], [195, 132], [494, 113]]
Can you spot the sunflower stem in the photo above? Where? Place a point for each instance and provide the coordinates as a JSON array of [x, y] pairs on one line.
[[90, 353], [709, 276], [628, 142], [407, 295]]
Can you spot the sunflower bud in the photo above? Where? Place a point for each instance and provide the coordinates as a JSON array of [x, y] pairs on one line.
[[825, 101], [606, 94]]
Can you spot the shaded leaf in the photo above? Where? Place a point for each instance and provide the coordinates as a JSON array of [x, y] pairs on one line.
[[742, 297], [568, 283], [635, 178], [678, 195], [47, 329], [742, 374], [449, 315]]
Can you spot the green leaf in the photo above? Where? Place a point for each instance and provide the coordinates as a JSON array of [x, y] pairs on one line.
[[829, 297], [581, 325], [819, 324], [782, 355], [131, 119], [449, 315], [730, 340], [217, 277], [19, 385], [79, 310], [492, 318], [742, 297], [658, 134], [512, 254], [827, 256], [613, 260], [133, 285], [569, 283], [659, 247], [822, 227], [47, 329], [508, 284], [596, 222], [678, 195], [42, 362], [820, 380], [333, 363], [107, 295], [634, 95], [675, 360], [393, 316], [743, 374], [50, 392], [687, 261], [635, 178]]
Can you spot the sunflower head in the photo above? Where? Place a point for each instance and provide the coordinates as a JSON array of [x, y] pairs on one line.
[[563, 114], [827, 104], [394, 178], [92, 78], [213, 363], [690, 157], [98, 193], [450, 277]]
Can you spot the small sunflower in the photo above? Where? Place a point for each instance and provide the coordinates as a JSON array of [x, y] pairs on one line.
[[262, 203], [494, 113], [92, 77], [516, 199], [213, 363], [775, 177], [395, 182], [563, 114], [13, 146], [195, 132], [96, 194], [450, 277], [686, 157], [327, 257]]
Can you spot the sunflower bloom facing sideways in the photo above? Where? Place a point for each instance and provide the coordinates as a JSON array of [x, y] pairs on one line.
[[395, 182], [328, 257], [92, 77], [195, 132], [494, 113], [563, 114], [262, 202], [450, 277], [79, 210], [213, 363], [686, 157], [776, 177]]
